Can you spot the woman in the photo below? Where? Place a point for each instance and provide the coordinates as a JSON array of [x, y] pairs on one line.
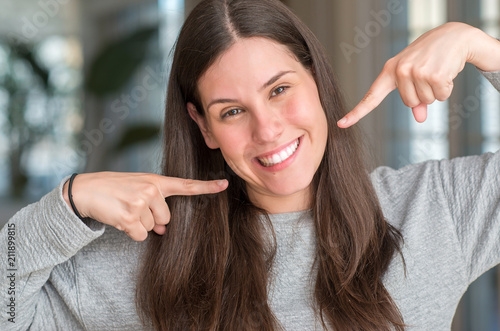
[[297, 235]]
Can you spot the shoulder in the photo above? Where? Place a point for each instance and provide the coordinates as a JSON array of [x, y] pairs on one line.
[[434, 186], [386, 179]]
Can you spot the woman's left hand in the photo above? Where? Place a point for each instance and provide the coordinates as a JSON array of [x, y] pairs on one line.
[[424, 71]]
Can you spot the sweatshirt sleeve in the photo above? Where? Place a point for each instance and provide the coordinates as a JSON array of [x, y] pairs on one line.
[[493, 77], [448, 209], [472, 187], [34, 241]]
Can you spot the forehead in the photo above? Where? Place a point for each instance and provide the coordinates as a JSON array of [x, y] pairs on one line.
[[244, 50], [251, 61]]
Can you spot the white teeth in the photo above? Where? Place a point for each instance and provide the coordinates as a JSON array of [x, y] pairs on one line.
[[281, 156]]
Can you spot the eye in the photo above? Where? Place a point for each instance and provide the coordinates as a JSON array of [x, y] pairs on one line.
[[231, 112], [279, 90]]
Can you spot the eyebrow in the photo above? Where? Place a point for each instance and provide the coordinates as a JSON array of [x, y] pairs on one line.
[[275, 78], [272, 80]]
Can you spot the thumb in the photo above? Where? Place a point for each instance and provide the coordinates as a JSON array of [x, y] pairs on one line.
[[420, 112]]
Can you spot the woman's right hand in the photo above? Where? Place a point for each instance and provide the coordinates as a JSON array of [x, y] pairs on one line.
[[133, 202]]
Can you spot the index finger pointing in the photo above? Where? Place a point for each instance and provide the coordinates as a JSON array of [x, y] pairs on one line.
[[181, 186], [380, 88]]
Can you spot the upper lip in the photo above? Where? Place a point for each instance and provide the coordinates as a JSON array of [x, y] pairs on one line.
[[278, 149]]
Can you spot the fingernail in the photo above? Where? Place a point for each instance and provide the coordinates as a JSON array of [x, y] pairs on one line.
[[221, 182], [342, 121]]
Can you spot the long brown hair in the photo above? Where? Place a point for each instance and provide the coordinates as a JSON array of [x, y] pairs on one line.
[[210, 271]]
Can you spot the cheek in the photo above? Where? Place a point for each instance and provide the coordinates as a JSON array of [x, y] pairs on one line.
[[295, 110], [304, 110], [231, 142]]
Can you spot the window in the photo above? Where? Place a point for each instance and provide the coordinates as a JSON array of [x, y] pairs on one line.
[[39, 80], [490, 98]]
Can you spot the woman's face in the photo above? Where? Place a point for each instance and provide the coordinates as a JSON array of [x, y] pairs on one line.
[[262, 110]]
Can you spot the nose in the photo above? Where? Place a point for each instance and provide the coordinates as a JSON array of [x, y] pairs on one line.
[[267, 125]]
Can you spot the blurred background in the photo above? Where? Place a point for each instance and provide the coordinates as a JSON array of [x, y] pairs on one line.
[[82, 88]]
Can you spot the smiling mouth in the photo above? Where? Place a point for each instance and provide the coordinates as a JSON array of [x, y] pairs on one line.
[[279, 157]]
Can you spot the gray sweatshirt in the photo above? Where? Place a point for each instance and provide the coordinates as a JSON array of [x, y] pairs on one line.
[[58, 273]]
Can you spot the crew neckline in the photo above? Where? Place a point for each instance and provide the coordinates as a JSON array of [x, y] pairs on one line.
[[290, 216]]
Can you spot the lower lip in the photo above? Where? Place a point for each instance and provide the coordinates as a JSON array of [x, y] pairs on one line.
[[282, 165]]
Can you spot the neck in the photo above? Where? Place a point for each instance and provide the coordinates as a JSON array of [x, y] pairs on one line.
[[275, 204]]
